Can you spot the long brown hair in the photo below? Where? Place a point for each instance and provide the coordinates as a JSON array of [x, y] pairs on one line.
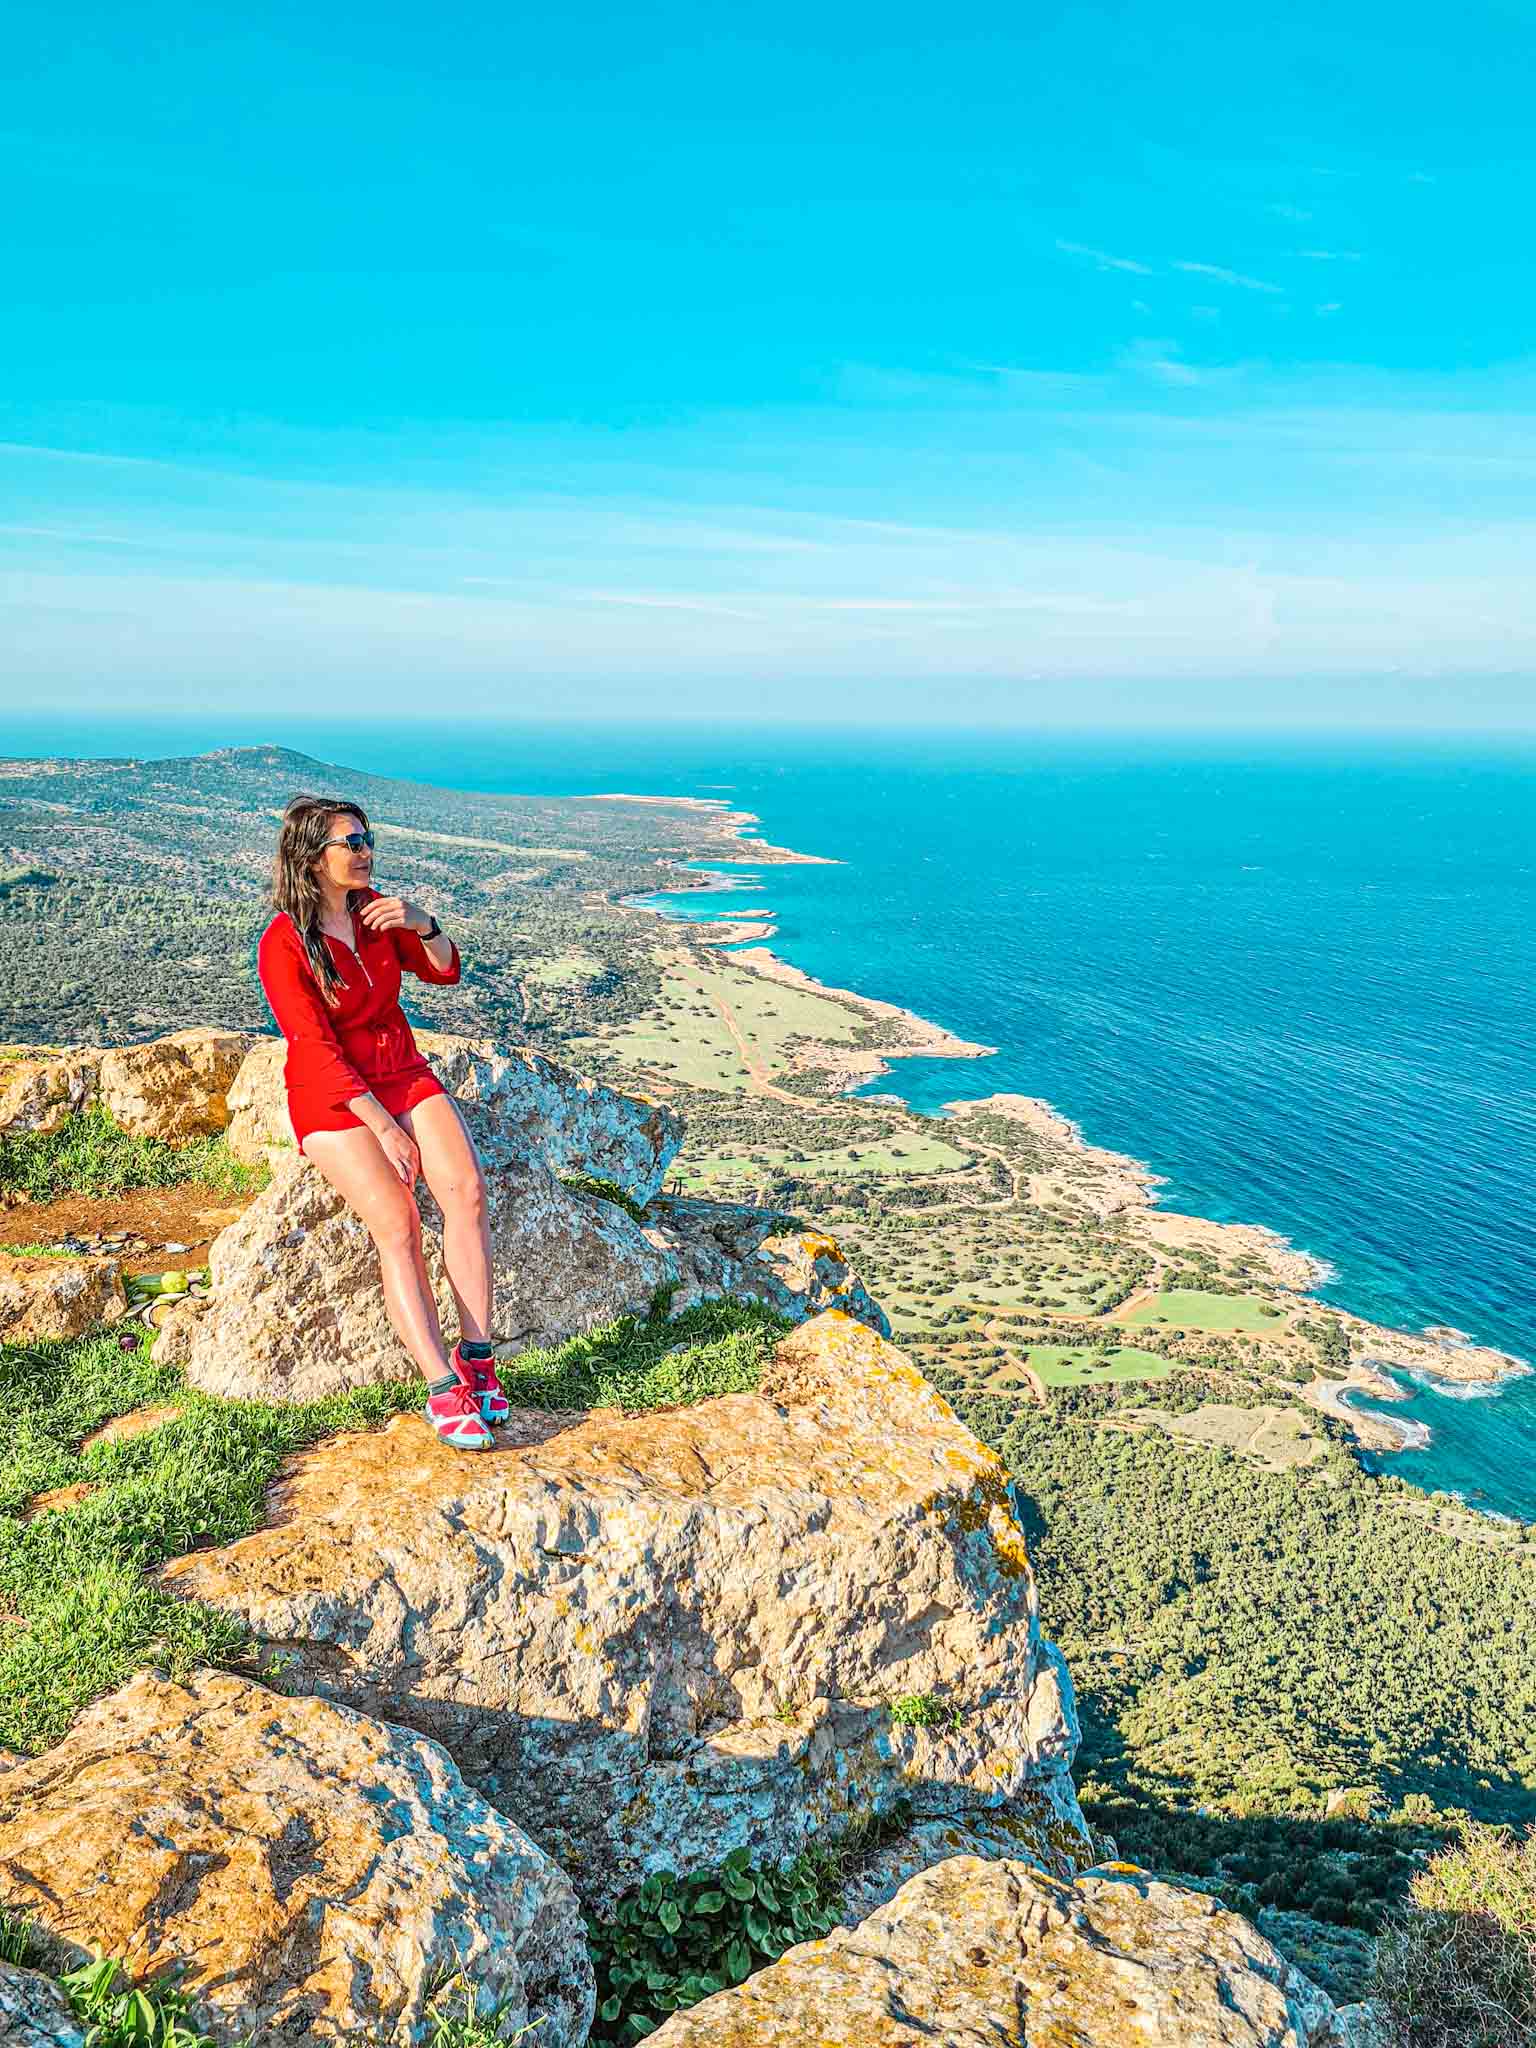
[[301, 841]]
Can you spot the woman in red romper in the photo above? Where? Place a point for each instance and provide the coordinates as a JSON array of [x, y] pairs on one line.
[[365, 1107]]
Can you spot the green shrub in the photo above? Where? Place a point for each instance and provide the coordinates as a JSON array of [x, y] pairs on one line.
[[89, 1155], [675, 1940], [605, 1191], [1457, 1969], [925, 1710]]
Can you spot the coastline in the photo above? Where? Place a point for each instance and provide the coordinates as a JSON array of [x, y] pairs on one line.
[[1113, 1184]]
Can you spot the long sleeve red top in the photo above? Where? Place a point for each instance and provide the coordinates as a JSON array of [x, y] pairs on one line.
[[337, 1053]]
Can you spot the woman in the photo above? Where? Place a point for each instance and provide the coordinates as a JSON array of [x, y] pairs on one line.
[[364, 1105]]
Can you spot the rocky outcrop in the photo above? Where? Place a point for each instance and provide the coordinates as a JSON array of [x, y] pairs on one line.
[[296, 1309], [44, 1298], [41, 1085], [720, 1248], [34, 2013], [997, 1955], [652, 1638], [173, 1088], [521, 1109], [318, 1875]]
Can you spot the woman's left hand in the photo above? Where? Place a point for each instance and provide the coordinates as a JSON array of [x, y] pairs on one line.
[[386, 911]]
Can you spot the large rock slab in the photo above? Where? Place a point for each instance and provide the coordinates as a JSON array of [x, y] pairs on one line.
[[980, 1954], [652, 1638], [34, 2013], [530, 1109], [174, 1088], [318, 1874], [296, 1305], [45, 1298]]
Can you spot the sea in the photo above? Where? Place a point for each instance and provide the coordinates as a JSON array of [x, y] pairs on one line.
[[1295, 977]]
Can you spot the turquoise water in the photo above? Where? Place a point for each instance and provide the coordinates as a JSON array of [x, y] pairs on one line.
[[1296, 980]]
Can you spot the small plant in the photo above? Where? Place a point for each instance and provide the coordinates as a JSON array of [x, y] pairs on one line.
[[925, 1710], [676, 1940], [605, 1191], [472, 2028], [116, 2014], [20, 1942]]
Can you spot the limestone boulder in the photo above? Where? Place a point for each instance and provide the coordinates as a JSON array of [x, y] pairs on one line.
[[720, 1248], [978, 1954], [519, 1106], [34, 2013], [41, 1085], [653, 1638], [318, 1875], [174, 1088], [45, 1298], [296, 1308]]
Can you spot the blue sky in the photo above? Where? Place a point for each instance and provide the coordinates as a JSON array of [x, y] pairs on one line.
[[1068, 366]]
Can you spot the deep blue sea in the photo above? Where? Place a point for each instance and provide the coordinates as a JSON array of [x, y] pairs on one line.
[[1294, 978]]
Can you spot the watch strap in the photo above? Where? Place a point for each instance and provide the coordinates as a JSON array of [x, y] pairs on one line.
[[436, 928]]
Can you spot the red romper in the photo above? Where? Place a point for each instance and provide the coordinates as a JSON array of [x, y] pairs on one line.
[[362, 1046]]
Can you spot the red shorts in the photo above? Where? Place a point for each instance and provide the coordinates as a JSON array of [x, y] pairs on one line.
[[399, 1092]]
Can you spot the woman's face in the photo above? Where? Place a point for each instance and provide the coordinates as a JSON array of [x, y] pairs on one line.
[[339, 865]]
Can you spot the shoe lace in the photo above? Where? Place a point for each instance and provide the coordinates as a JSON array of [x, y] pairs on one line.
[[451, 1400]]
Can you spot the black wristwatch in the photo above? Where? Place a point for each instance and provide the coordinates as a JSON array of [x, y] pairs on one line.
[[436, 929]]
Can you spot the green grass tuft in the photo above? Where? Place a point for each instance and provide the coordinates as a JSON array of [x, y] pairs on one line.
[[718, 1347], [89, 1155]]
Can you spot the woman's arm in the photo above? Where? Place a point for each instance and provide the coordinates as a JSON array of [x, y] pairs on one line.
[[288, 982], [435, 960]]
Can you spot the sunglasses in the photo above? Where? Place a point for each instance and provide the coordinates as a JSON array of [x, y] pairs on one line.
[[356, 841]]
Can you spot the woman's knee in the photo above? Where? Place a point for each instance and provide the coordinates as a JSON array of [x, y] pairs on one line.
[[466, 1200], [395, 1226]]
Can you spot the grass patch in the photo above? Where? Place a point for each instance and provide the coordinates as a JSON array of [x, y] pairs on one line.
[[656, 1361], [1188, 1308], [78, 1615], [89, 1155], [1066, 1365]]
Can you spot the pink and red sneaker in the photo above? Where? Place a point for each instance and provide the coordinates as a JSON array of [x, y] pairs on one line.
[[454, 1413], [479, 1377]]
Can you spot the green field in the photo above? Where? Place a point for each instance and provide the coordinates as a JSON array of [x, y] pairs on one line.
[[1066, 1365], [566, 970], [1183, 1308], [687, 1036], [887, 1160]]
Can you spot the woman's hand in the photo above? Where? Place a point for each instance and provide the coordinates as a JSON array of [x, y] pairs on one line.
[[386, 911], [402, 1152]]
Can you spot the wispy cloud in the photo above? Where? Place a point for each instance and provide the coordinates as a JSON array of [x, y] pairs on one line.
[[1104, 260], [1159, 359], [1332, 255], [1288, 212], [1329, 306], [649, 602], [1225, 276]]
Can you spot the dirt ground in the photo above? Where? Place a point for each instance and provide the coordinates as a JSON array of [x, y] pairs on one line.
[[185, 1215]]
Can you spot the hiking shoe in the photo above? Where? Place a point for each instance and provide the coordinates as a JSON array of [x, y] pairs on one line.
[[479, 1376], [453, 1412]]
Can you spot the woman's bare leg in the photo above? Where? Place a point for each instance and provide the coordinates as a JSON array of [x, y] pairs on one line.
[[354, 1164], [451, 1170]]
